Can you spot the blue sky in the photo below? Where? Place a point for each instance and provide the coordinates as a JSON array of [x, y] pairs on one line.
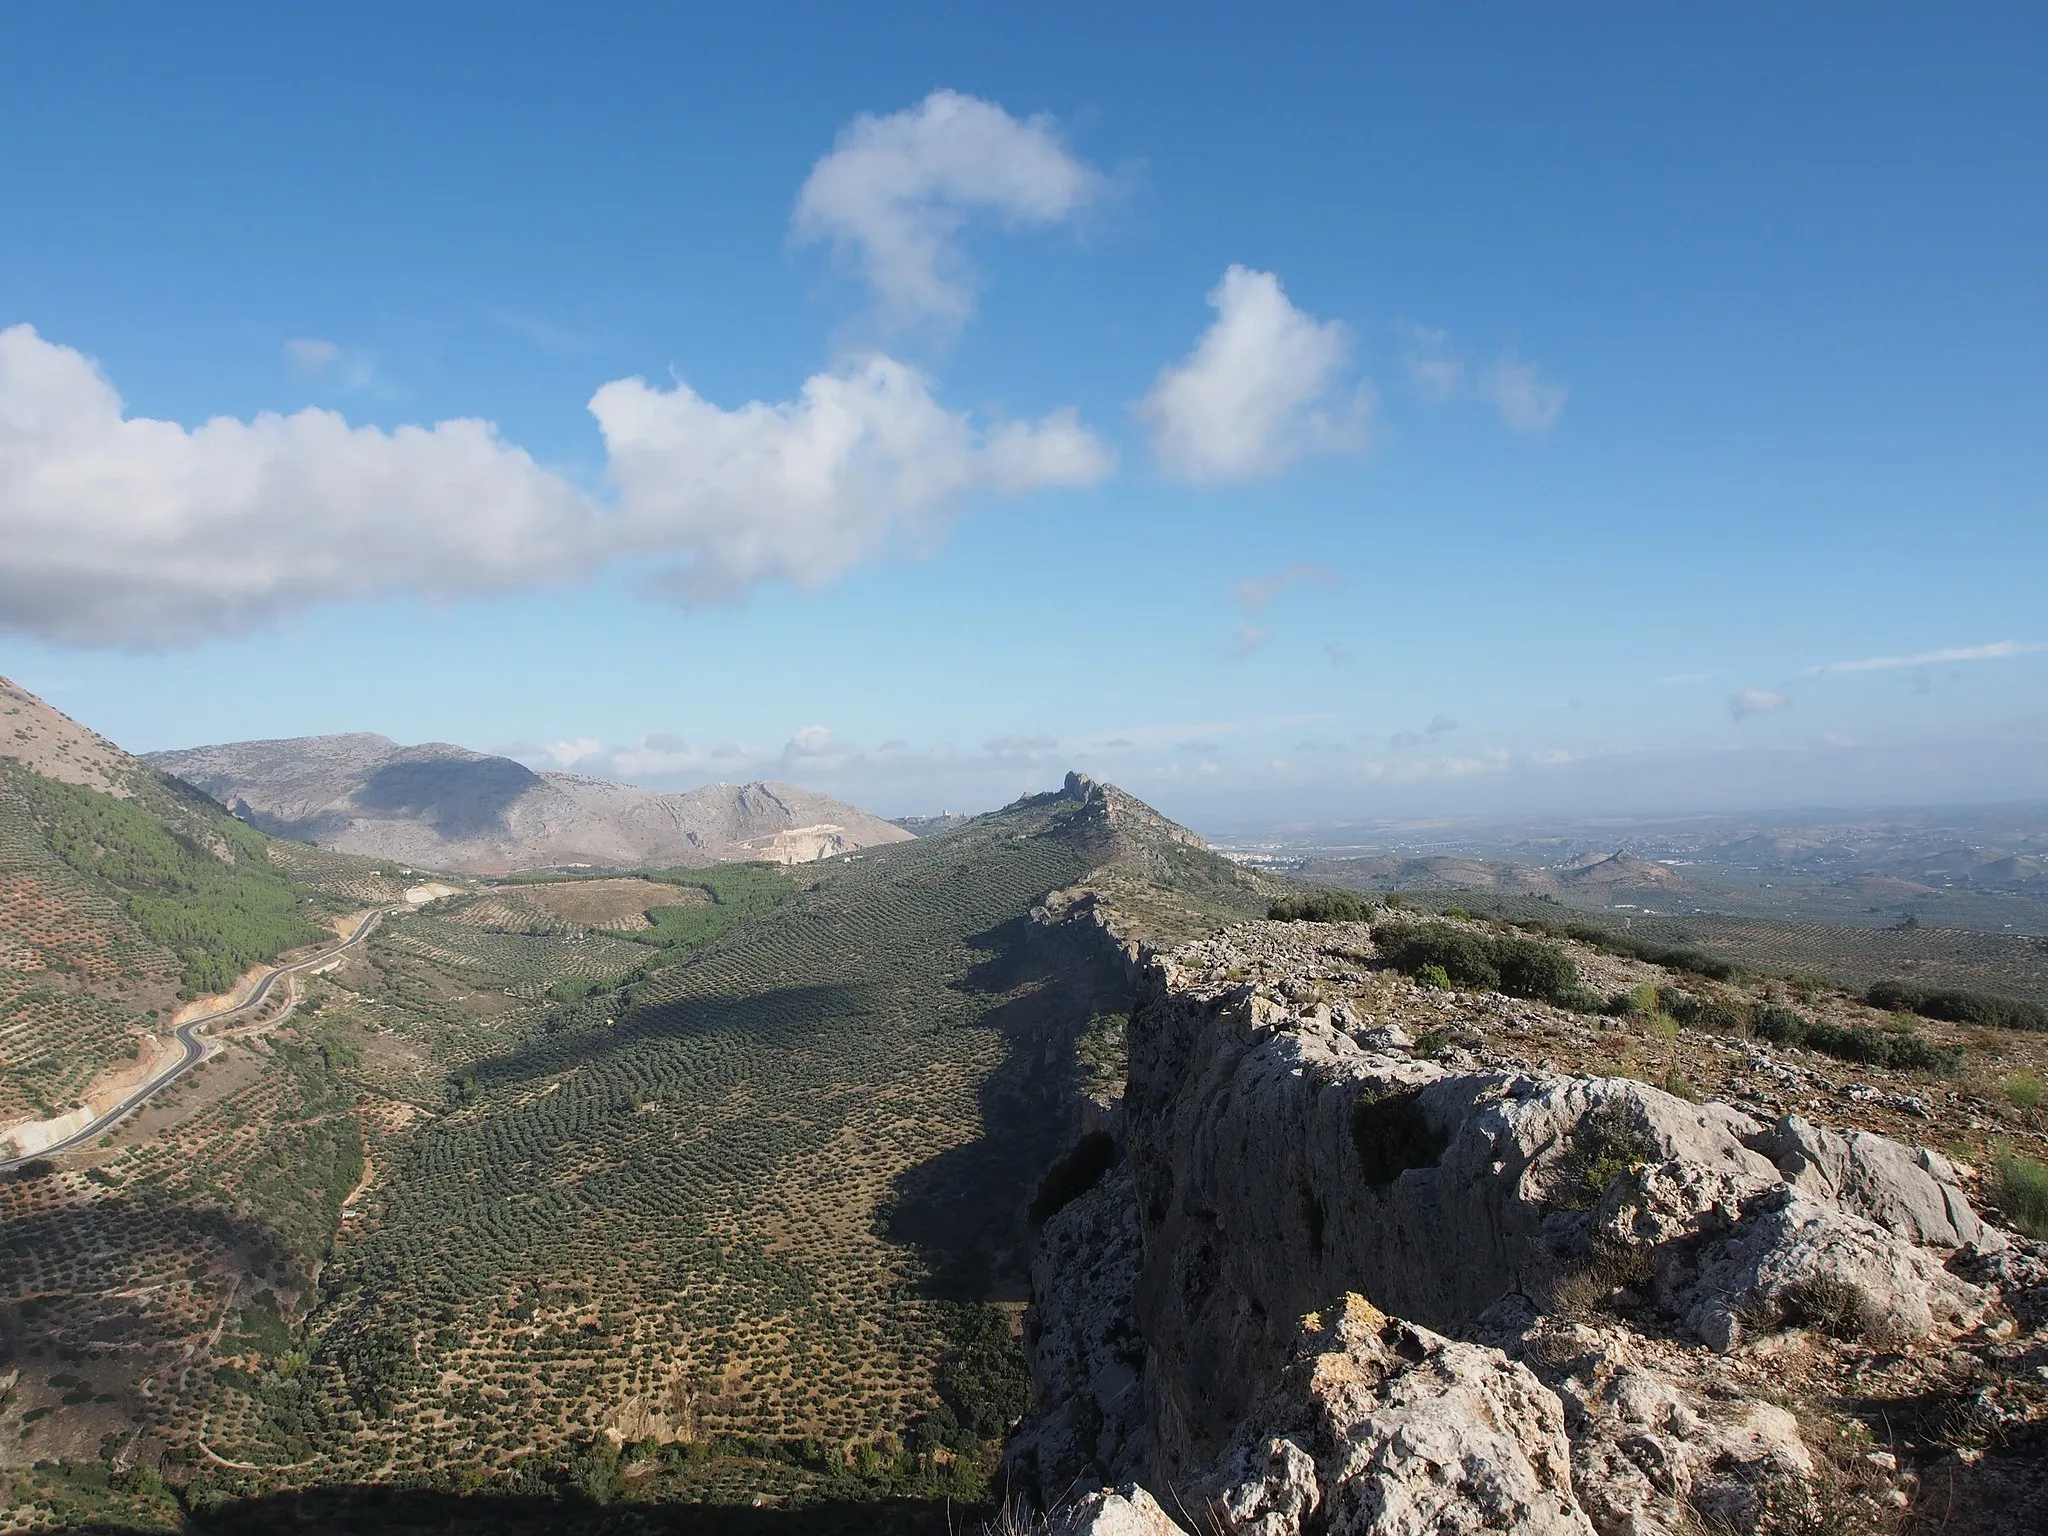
[[1322, 413]]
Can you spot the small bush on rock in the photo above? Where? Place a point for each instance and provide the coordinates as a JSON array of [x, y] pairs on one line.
[[1606, 1144], [1834, 1307], [1392, 1136]]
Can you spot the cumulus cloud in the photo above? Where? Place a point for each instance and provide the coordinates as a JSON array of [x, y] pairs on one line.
[[1529, 403], [1756, 701], [138, 531], [131, 531], [1262, 387], [863, 458], [895, 192], [1997, 650]]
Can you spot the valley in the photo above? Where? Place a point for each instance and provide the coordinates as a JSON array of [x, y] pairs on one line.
[[734, 1196]]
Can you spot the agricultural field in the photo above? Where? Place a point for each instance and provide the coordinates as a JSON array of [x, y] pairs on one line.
[[743, 1205], [621, 905], [732, 1206]]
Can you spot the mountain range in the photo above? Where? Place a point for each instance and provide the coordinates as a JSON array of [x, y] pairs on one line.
[[441, 806]]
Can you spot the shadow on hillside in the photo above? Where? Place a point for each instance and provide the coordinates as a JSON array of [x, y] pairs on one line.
[[964, 1210], [779, 1016], [417, 1512], [457, 797]]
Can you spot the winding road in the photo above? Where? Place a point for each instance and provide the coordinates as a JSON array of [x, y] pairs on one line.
[[187, 1035]]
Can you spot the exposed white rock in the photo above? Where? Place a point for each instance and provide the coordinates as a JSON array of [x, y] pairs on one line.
[[1380, 1427], [1910, 1191], [1279, 1157], [1126, 1511]]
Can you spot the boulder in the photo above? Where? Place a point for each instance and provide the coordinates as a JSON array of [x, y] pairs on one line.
[[1378, 1426], [1908, 1190], [1126, 1511]]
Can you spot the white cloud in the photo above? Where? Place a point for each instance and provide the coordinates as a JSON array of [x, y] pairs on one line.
[[132, 531], [1248, 639], [1529, 403], [1686, 679], [864, 458], [567, 754], [1756, 701], [895, 192], [1260, 389], [1995, 651], [810, 741]]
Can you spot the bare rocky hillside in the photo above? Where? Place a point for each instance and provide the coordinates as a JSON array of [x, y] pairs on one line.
[[1366, 1253], [439, 806]]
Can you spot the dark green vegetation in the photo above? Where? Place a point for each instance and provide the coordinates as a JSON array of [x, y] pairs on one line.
[[1899, 1047], [1464, 957], [1955, 1006], [1324, 905], [1723, 948], [1391, 1135], [193, 878], [1607, 1144], [2021, 1189], [759, 1195], [737, 892]]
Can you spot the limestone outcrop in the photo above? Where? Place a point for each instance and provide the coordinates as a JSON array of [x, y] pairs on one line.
[[1335, 1285]]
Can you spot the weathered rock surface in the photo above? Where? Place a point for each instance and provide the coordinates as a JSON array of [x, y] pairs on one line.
[[1378, 1426], [1283, 1151]]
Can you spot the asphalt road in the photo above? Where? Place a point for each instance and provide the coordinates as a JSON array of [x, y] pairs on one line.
[[187, 1035]]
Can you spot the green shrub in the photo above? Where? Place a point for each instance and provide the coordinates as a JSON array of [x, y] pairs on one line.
[[1900, 1049], [1834, 1307], [1434, 977], [1320, 906], [1442, 955], [1607, 1143], [1954, 1006], [2021, 1187], [2024, 1089], [1392, 1135]]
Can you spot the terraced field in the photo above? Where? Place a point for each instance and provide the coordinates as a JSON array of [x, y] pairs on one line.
[[78, 977], [738, 1209], [756, 1217]]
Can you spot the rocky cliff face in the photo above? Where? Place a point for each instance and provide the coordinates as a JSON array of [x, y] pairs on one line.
[[1336, 1285]]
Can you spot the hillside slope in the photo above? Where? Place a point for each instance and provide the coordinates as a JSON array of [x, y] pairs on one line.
[[122, 892], [503, 1191], [440, 806]]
